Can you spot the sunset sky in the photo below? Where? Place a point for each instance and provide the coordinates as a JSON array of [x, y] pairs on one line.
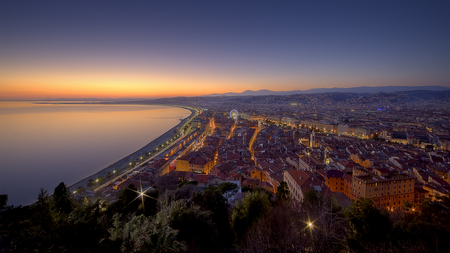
[[115, 49]]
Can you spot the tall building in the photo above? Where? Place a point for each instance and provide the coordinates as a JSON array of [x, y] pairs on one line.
[[312, 140], [299, 182], [387, 189]]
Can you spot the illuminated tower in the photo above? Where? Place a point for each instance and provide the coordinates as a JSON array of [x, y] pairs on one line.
[[312, 140], [326, 157]]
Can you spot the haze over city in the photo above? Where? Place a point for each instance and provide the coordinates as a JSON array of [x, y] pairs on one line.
[[149, 49]]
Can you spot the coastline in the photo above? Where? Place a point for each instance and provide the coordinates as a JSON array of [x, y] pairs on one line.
[[122, 163]]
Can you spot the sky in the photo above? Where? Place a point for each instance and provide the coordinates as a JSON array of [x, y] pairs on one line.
[[149, 49]]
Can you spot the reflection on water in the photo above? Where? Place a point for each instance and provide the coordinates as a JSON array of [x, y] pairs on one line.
[[42, 145]]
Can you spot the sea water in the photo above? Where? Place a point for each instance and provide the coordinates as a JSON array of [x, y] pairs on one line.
[[42, 145]]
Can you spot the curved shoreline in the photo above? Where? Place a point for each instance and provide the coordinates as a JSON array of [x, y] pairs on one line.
[[122, 163]]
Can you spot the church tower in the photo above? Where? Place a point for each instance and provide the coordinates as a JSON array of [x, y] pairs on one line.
[[312, 140]]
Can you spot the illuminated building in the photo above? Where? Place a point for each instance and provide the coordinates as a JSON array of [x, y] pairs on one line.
[[385, 188]]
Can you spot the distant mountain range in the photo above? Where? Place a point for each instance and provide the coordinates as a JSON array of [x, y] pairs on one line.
[[361, 89]]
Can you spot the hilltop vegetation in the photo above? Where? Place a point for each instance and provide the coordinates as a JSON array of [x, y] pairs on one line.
[[188, 220], [390, 98]]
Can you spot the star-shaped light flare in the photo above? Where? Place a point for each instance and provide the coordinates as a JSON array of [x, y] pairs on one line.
[[141, 194]]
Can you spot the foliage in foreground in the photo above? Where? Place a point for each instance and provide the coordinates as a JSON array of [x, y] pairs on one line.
[[184, 219]]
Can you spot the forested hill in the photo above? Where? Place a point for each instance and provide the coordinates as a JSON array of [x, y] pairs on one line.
[[391, 98]]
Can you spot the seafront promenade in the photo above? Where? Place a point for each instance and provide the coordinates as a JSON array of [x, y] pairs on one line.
[[124, 162]]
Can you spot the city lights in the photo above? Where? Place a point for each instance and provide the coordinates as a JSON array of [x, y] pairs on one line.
[[215, 126]]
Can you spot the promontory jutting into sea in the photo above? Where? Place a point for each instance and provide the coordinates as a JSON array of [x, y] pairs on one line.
[[44, 143]]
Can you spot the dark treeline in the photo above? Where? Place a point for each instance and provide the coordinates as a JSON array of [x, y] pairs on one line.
[[177, 217]]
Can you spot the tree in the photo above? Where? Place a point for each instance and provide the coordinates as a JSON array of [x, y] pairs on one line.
[[149, 203], [80, 189], [196, 227], [184, 192], [428, 227], [272, 234], [131, 234], [61, 202], [193, 182], [90, 182], [367, 225], [162, 238], [283, 194], [248, 211], [227, 187], [3, 201], [42, 208], [127, 202], [213, 200]]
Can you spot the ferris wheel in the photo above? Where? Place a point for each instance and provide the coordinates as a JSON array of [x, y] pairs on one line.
[[234, 114]]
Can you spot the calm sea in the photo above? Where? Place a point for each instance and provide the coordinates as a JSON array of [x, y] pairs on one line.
[[42, 145]]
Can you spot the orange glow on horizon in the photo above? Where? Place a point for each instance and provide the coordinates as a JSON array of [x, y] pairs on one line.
[[60, 83], [102, 86]]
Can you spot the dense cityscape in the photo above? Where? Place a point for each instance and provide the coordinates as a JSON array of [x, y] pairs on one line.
[[225, 126], [400, 135], [357, 172]]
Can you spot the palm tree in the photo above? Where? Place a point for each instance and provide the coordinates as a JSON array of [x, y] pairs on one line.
[[90, 182], [80, 189]]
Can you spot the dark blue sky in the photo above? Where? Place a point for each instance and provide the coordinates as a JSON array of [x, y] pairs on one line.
[[194, 48]]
